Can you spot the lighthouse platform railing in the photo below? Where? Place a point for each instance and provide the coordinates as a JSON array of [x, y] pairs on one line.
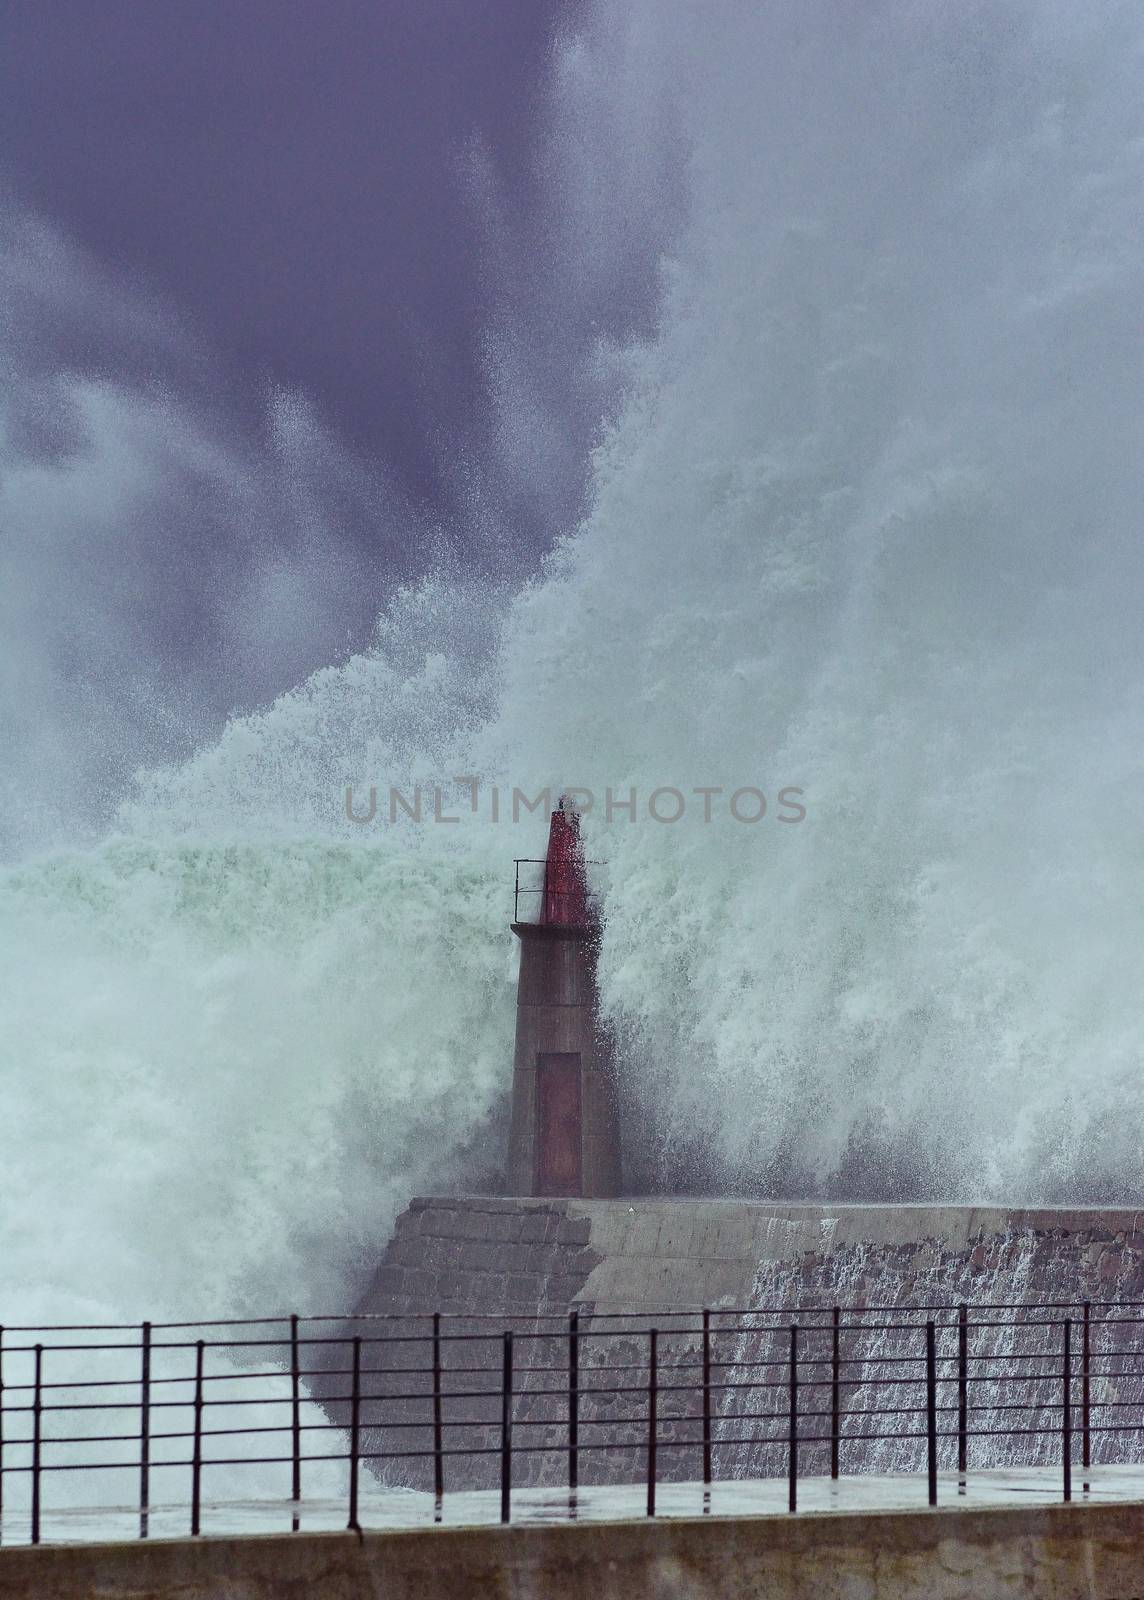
[[539, 898]]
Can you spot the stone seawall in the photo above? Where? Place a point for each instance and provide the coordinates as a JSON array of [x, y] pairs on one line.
[[464, 1256], [487, 1264], [473, 1255]]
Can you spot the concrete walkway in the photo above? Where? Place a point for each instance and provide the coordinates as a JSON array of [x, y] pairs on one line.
[[1000, 1552], [397, 1509]]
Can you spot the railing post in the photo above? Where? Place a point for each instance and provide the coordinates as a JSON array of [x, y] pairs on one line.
[[1066, 1419], [792, 1477], [707, 1398], [438, 1422], [652, 1415], [197, 1444], [1085, 1396], [573, 1400], [835, 1390], [962, 1389], [931, 1410], [506, 1430], [1, 1433], [37, 1408], [354, 1524], [295, 1421], [145, 1431]]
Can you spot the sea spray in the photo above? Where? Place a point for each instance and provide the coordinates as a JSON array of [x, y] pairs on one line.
[[226, 1067], [868, 524]]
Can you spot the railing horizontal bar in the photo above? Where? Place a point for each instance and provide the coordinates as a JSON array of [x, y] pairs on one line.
[[775, 1441], [1098, 1310], [746, 1416], [230, 1347], [585, 1335], [633, 1390]]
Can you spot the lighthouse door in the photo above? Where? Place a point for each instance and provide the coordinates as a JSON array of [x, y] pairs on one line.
[[558, 1123]]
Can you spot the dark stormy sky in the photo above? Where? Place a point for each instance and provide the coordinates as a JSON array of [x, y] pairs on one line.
[[289, 315], [292, 175]]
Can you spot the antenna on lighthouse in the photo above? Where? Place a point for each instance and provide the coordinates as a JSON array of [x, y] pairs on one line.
[[565, 899]]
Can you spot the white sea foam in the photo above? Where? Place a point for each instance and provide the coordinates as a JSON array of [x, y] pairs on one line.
[[866, 523]]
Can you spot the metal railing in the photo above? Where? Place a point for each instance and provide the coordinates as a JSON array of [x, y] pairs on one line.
[[532, 891], [697, 1395]]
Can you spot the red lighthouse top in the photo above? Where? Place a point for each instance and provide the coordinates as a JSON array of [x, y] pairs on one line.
[[565, 902]]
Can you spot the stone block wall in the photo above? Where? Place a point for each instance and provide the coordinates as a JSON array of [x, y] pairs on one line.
[[489, 1264], [484, 1255]]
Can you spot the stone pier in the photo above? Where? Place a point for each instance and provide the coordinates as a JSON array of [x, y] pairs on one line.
[[625, 1265], [520, 1256]]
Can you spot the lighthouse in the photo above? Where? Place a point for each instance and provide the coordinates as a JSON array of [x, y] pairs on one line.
[[564, 1138]]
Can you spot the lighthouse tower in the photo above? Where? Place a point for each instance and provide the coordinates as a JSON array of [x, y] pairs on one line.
[[564, 1138]]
